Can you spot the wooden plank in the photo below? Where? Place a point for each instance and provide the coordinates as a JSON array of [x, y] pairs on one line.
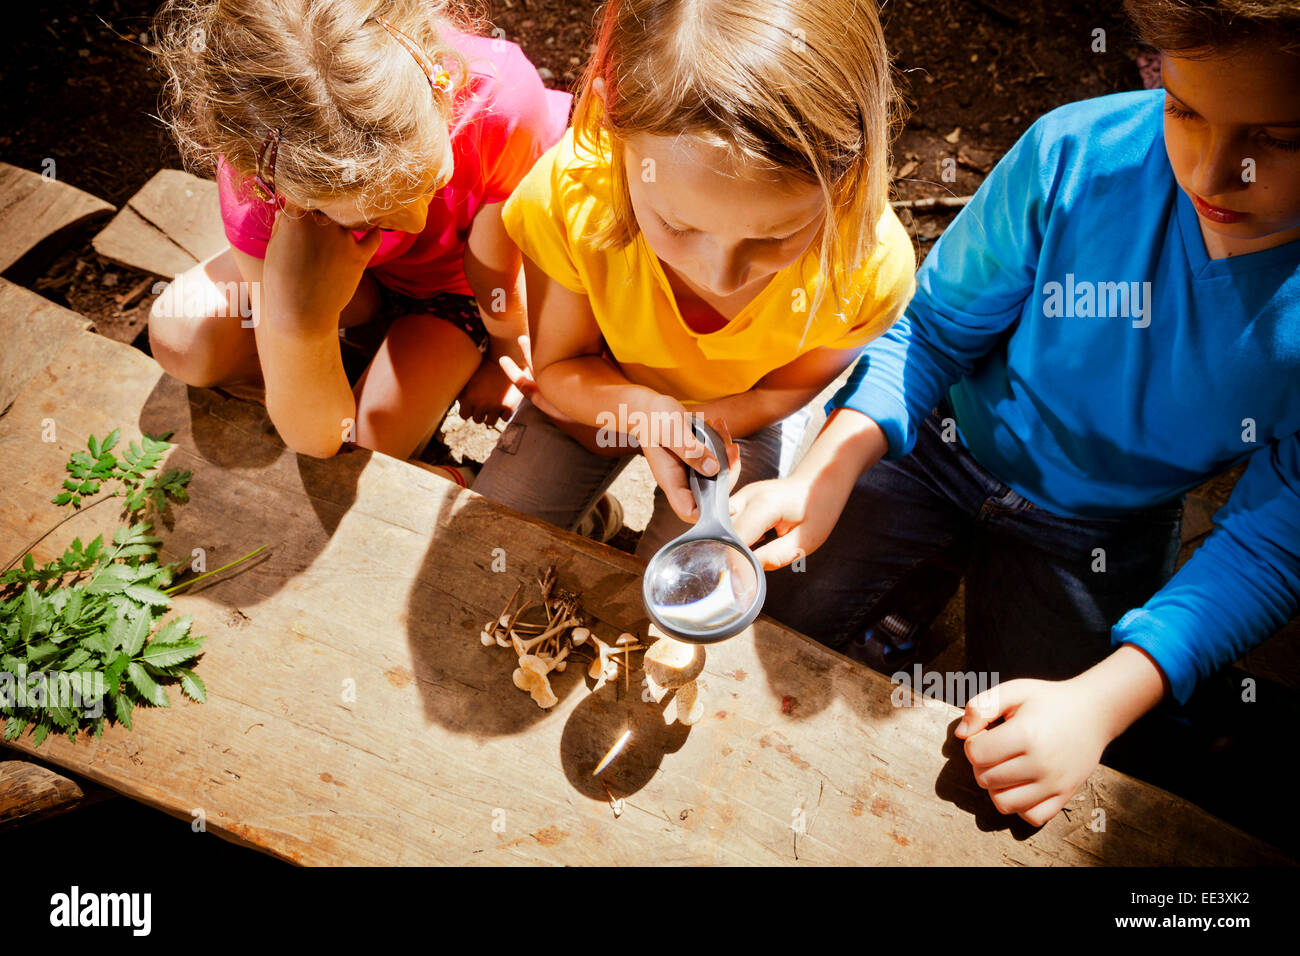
[[33, 209], [354, 717], [30, 792], [171, 224], [33, 329]]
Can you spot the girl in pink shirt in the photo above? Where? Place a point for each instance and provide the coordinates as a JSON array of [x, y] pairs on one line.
[[363, 149]]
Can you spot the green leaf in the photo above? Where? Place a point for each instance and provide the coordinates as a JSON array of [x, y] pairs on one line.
[[111, 440], [111, 579], [29, 562], [168, 654], [122, 707], [93, 444], [42, 731], [72, 610], [173, 632], [76, 659], [14, 726], [148, 688], [147, 595], [137, 630], [192, 686], [113, 674], [62, 498]]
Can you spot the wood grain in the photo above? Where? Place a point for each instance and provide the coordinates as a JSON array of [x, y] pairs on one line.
[[34, 208], [32, 329], [354, 717], [171, 224]]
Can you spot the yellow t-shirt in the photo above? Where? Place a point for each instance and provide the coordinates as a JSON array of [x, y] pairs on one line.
[[563, 202]]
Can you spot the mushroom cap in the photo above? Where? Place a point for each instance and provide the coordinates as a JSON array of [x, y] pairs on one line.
[[673, 663], [486, 638], [579, 635]]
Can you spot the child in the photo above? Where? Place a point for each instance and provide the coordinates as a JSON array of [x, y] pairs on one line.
[[712, 236], [363, 149], [1112, 320]]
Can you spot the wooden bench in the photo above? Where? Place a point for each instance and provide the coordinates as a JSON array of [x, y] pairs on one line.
[[354, 717]]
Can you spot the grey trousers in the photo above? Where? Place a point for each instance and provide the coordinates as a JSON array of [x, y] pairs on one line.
[[539, 470]]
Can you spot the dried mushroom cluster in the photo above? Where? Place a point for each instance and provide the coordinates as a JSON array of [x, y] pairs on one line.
[[543, 647]]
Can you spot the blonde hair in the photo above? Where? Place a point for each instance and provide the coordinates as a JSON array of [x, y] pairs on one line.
[[357, 115], [799, 87]]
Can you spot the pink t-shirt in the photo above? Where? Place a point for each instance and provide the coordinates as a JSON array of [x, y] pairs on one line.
[[504, 121]]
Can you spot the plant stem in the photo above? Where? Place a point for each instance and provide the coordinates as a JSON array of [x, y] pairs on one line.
[[54, 527], [185, 584]]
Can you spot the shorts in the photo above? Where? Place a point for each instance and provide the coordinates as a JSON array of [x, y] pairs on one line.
[[460, 310]]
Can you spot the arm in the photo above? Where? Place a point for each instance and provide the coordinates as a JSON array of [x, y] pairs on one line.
[[311, 271], [779, 393], [969, 292], [492, 268], [1240, 586]]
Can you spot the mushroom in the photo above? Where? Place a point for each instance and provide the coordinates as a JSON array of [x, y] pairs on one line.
[[579, 635], [530, 675], [685, 706], [602, 668], [672, 663]]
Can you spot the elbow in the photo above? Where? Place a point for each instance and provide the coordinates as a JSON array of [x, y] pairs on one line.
[[314, 443]]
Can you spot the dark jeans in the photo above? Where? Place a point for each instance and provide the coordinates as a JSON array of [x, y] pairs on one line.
[[1035, 606]]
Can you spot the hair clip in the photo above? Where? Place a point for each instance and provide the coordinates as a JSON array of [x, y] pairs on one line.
[[264, 185], [437, 75]]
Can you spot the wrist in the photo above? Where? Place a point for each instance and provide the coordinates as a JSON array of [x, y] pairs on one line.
[[1122, 687]]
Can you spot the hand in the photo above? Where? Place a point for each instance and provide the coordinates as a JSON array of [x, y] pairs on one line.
[[1049, 742], [785, 504], [489, 395], [313, 267], [671, 448], [522, 379]]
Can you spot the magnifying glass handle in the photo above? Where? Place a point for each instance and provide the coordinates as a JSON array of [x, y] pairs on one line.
[[711, 492]]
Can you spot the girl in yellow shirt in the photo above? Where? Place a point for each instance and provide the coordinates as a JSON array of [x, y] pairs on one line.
[[711, 237]]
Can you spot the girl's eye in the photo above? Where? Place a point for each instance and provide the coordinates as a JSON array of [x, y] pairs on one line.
[[1174, 110], [669, 229], [1290, 145]]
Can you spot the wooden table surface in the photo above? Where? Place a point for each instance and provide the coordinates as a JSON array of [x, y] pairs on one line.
[[353, 717]]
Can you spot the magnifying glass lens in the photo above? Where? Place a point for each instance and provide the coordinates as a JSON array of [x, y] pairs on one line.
[[700, 585]]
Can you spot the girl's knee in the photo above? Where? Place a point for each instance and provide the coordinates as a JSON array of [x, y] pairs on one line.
[[181, 340]]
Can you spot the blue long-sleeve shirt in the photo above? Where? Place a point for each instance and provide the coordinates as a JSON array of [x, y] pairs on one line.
[[1098, 361]]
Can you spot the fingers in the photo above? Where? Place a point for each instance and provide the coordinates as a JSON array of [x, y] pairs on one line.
[[983, 709], [1023, 798], [1043, 812], [755, 509], [672, 478], [1003, 742], [784, 550], [694, 452], [1009, 773]]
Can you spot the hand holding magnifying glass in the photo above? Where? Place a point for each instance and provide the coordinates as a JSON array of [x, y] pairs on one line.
[[705, 585]]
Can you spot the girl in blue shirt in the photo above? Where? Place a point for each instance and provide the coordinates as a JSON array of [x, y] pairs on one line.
[[1114, 319]]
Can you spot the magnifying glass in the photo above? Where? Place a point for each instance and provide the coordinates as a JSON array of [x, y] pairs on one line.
[[706, 585]]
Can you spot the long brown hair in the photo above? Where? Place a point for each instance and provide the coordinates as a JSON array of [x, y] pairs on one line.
[[1193, 28]]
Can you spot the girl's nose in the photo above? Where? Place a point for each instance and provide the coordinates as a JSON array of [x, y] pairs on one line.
[[410, 218], [1218, 167], [725, 271]]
